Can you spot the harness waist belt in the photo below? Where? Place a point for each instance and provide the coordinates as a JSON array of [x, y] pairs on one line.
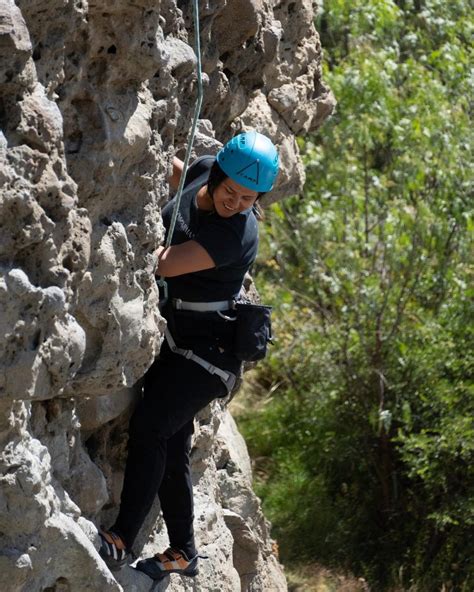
[[179, 304]]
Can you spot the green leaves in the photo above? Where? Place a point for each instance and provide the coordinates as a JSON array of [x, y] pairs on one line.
[[370, 274]]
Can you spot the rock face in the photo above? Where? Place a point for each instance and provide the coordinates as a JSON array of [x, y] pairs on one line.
[[95, 98]]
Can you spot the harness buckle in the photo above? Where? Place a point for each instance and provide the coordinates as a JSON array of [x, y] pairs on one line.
[[229, 382]]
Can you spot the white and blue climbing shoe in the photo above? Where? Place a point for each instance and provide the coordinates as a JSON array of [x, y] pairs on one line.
[[171, 561]]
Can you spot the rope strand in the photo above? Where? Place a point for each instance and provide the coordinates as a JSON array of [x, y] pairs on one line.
[[197, 110]]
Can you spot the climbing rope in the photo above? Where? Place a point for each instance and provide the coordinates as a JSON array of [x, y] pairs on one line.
[[197, 109]]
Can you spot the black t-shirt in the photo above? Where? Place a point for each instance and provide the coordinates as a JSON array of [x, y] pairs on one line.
[[232, 243]]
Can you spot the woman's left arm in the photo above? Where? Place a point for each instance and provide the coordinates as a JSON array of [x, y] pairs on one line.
[[187, 257], [178, 166]]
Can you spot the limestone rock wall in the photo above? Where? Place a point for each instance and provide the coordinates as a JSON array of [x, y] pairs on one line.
[[95, 98]]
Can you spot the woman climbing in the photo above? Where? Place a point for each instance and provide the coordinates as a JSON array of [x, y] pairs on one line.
[[214, 244]]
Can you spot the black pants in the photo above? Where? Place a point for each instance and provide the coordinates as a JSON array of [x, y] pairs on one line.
[[175, 389]]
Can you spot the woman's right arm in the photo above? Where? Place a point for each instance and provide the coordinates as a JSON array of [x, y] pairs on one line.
[[186, 257], [177, 172]]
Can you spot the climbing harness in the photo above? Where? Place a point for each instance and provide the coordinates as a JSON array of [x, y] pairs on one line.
[[228, 378]]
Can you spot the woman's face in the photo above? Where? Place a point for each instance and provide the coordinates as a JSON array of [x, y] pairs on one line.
[[231, 198]]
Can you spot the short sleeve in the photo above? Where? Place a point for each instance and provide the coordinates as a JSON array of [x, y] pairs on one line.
[[200, 166], [222, 241]]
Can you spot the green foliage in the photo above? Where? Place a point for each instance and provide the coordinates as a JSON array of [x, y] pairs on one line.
[[369, 432]]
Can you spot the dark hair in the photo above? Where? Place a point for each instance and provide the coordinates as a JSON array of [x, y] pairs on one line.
[[217, 175]]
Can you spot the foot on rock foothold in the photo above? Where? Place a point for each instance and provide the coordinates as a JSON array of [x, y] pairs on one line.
[[113, 550], [171, 561]]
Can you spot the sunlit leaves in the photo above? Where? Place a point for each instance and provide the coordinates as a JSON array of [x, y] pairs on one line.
[[370, 273]]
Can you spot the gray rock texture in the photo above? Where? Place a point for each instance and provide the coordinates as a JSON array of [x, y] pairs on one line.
[[95, 98]]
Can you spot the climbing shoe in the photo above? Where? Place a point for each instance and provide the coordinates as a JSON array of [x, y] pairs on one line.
[[171, 561], [112, 549]]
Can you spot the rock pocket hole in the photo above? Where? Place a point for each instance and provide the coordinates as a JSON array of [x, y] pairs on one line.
[[69, 263], [73, 143], [61, 585], [37, 52], [35, 340]]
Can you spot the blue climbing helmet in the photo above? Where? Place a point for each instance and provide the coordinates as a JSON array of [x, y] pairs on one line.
[[251, 160]]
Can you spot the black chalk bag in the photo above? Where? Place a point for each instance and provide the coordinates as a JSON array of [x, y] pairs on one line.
[[253, 331]]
